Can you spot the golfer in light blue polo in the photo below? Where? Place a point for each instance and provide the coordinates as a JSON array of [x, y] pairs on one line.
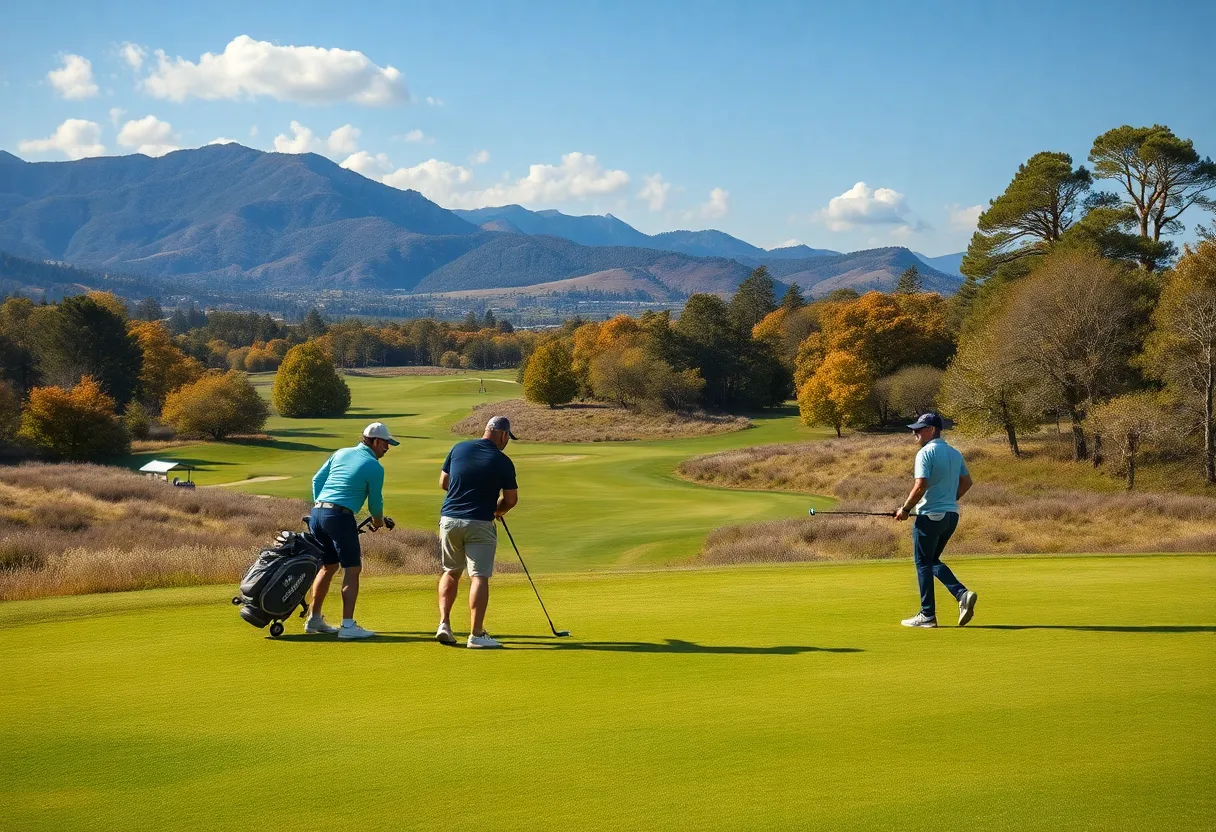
[[941, 480], [349, 478]]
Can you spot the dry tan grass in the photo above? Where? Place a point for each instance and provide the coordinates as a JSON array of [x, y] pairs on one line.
[[389, 372], [1040, 504], [594, 422], [75, 529]]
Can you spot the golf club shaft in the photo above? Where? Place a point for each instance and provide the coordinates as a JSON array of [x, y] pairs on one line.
[[526, 572], [815, 512]]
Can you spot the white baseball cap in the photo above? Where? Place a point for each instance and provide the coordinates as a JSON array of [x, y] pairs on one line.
[[379, 430]]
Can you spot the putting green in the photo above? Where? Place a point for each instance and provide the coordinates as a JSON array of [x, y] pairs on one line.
[[1081, 697], [582, 506]]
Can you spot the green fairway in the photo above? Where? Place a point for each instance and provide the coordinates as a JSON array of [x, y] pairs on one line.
[[581, 506], [753, 698]]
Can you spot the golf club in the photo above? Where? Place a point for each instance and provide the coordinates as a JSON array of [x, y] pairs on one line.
[[814, 512], [556, 632]]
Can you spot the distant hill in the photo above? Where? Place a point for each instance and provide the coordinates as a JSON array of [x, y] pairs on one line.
[[874, 269], [947, 263], [229, 212], [512, 260], [607, 230], [228, 222]]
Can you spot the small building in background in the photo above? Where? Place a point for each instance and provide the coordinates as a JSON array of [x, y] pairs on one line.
[[160, 470]]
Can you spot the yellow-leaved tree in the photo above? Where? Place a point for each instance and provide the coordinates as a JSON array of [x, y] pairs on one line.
[[79, 425], [548, 378], [308, 386], [165, 367], [837, 393], [217, 405]]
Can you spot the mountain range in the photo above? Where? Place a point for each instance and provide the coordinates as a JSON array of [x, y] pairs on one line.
[[229, 217]]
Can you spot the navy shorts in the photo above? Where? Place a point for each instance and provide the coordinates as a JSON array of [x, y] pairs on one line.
[[338, 535]]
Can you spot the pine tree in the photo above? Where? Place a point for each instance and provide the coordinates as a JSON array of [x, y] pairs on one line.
[[909, 282], [793, 298]]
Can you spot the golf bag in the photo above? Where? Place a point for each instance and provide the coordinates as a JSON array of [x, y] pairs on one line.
[[278, 581]]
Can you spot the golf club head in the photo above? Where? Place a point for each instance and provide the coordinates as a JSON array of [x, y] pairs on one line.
[[562, 633], [811, 512]]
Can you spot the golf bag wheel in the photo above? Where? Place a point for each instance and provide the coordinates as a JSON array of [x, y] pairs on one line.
[[236, 601], [276, 629]]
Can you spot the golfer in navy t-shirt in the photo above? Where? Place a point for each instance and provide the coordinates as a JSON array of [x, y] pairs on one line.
[[480, 483]]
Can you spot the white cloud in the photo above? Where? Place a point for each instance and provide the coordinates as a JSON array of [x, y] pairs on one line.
[[223, 140], [74, 79], [416, 136], [149, 136], [481, 157], [75, 139], [344, 140], [116, 113], [365, 164], [717, 206], [793, 241], [655, 192], [302, 140], [964, 219], [862, 205], [253, 131], [438, 181], [434, 102], [579, 176], [249, 69], [133, 54]]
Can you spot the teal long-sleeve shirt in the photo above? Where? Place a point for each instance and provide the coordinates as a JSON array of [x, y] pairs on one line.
[[349, 477]]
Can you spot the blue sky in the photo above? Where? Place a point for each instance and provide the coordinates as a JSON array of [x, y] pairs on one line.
[[760, 119]]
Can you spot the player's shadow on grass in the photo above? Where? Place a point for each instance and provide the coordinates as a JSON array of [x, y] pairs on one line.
[[1102, 628], [379, 638], [670, 645]]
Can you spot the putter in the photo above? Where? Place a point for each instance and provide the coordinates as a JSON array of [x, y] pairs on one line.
[[814, 512], [556, 632]]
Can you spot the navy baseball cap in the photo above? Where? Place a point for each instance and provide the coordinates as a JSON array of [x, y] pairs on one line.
[[501, 423], [928, 420]]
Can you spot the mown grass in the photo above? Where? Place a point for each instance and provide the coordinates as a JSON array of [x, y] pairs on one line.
[[595, 422], [75, 529], [774, 698], [1040, 504]]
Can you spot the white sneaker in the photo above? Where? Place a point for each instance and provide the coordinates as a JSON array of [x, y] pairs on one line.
[[353, 630], [482, 640], [444, 634], [920, 620], [966, 607], [316, 624]]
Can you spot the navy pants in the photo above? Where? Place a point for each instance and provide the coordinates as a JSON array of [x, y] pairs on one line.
[[338, 534], [929, 539]]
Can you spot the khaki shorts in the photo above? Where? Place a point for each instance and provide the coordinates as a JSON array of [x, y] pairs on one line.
[[468, 544]]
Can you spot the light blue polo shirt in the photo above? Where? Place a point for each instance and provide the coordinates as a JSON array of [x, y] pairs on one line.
[[349, 477], [941, 465]]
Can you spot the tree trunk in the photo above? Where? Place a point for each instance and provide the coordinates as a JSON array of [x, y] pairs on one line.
[[1097, 458], [1012, 436], [1133, 445], [837, 426], [1209, 441], [1080, 450]]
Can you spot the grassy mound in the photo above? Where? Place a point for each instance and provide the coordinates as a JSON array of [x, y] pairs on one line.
[[1041, 503], [595, 422], [75, 529], [747, 698]]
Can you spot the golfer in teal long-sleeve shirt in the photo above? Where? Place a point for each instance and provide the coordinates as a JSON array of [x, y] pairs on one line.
[[348, 479]]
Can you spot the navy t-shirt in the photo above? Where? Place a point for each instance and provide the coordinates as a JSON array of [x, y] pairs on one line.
[[477, 471]]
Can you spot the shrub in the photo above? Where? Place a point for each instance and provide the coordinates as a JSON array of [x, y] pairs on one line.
[[78, 426], [549, 379], [10, 412], [914, 389], [137, 421], [450, 359], [308, 386], [218, 405]]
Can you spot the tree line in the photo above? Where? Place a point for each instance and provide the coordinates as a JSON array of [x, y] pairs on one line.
[[1075, 305]]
